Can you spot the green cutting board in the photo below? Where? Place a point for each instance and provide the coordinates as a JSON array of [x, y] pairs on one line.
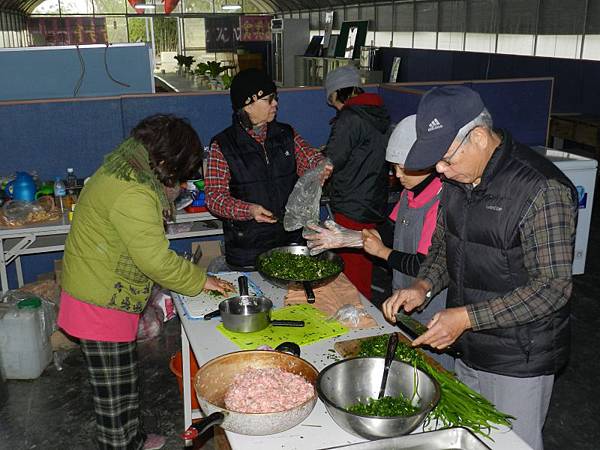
[[316, 327]]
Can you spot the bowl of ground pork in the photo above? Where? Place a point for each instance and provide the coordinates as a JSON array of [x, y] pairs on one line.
[[255, 392]]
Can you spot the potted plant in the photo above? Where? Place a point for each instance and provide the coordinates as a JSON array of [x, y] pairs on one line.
[[214, 74], [201, 76], [180, 59], [226, 80], [187, 63]]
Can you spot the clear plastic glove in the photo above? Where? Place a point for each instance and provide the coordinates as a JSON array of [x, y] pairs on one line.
[[349, 315], [332, 236]]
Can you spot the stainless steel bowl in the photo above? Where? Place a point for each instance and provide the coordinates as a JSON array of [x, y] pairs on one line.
[[245, 314], [354, 380]]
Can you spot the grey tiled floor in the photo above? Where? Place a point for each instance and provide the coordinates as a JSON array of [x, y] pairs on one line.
[[55, 411]]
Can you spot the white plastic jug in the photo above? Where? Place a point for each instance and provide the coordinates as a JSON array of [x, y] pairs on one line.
[[24, 342]]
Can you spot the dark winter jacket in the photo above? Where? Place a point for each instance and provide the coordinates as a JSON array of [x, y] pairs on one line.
[[485, 261], [356, 147], [255, 179]]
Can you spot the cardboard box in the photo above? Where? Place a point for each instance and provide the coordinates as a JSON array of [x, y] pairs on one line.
[[61, 342], [210, 250], [48, 276], [58, 270], [47, 289]]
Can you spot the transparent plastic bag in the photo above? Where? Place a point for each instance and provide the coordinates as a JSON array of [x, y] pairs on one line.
[[305, 200], [331, 235], [48, 310], [18, 213], [349, 315], [152, 319]]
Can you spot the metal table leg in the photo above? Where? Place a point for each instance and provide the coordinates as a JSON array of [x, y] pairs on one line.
[[19, 267], [3, 272], [187, 394]]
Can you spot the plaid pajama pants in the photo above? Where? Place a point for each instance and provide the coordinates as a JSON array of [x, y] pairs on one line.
[[113, 372]]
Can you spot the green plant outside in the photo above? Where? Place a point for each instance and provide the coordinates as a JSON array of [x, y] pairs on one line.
[[165, 32]]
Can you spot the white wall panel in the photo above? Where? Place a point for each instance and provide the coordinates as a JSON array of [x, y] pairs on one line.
[[516, 44]]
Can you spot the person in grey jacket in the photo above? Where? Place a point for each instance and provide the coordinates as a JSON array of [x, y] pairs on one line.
[[356, 148]]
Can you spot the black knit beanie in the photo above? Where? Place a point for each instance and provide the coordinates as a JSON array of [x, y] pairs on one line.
[[248, 86]]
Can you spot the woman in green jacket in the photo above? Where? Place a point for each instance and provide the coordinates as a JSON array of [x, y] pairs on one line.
[[116, 250]]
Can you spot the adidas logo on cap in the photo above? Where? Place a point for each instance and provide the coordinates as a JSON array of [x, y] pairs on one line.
[[434, 125]]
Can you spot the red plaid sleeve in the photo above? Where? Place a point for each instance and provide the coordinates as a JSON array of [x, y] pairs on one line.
[[307, 157], [218, 198]]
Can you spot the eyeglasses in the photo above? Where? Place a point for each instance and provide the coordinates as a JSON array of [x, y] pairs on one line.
[[271, 97], [447, 161]]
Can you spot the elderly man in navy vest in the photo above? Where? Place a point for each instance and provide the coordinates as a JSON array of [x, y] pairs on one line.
[[252, 168], [503, 246]]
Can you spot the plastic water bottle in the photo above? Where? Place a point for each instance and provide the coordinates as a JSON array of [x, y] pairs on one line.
[[71, 185], [71, 181], [59, 193]]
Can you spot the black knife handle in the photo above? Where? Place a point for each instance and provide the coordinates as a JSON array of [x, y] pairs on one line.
[[448, 350], [391, 349], [452, 352]]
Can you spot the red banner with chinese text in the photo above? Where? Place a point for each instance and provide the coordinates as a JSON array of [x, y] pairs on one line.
[[67, 30], [255, 28]]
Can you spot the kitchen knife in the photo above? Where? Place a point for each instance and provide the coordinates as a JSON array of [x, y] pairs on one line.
[[414, 329]]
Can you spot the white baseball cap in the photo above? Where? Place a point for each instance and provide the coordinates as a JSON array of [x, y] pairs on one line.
[[402, 139]]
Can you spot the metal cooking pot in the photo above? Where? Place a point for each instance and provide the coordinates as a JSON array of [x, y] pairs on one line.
[[354, 380], [214, 378], [306, 284], [248, 313]]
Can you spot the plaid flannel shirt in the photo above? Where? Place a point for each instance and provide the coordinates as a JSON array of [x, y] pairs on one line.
[[218, 197], [547, 234]]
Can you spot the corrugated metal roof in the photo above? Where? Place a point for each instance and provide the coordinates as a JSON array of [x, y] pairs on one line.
[[27, 6]]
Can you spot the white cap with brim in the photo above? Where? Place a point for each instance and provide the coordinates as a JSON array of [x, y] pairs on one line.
[[401, 140]]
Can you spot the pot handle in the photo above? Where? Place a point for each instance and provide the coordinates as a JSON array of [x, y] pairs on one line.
[[243, 285], [289, 347], [287, 323], [212, 315], [310, 294], [202, 425]]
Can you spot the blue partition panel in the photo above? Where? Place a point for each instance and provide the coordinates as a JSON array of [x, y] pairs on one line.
[[575, 88], [589, 88], [208, 114], [400, 103], [304, 109], [520, 106], [307, 111], [49, 137], [61, 72]]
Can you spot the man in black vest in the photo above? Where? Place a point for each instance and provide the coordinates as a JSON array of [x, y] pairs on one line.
[[503, 246], [252, 168]]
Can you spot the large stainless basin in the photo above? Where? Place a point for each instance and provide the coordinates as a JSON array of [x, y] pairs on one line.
[[354, 380]]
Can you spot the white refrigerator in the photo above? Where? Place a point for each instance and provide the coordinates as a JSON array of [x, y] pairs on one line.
[[582, 173]]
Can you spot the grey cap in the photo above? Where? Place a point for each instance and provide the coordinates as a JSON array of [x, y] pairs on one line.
[[402, 140], [342, 77]]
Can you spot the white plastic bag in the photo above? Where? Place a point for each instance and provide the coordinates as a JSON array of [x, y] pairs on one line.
[[304, 203]]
